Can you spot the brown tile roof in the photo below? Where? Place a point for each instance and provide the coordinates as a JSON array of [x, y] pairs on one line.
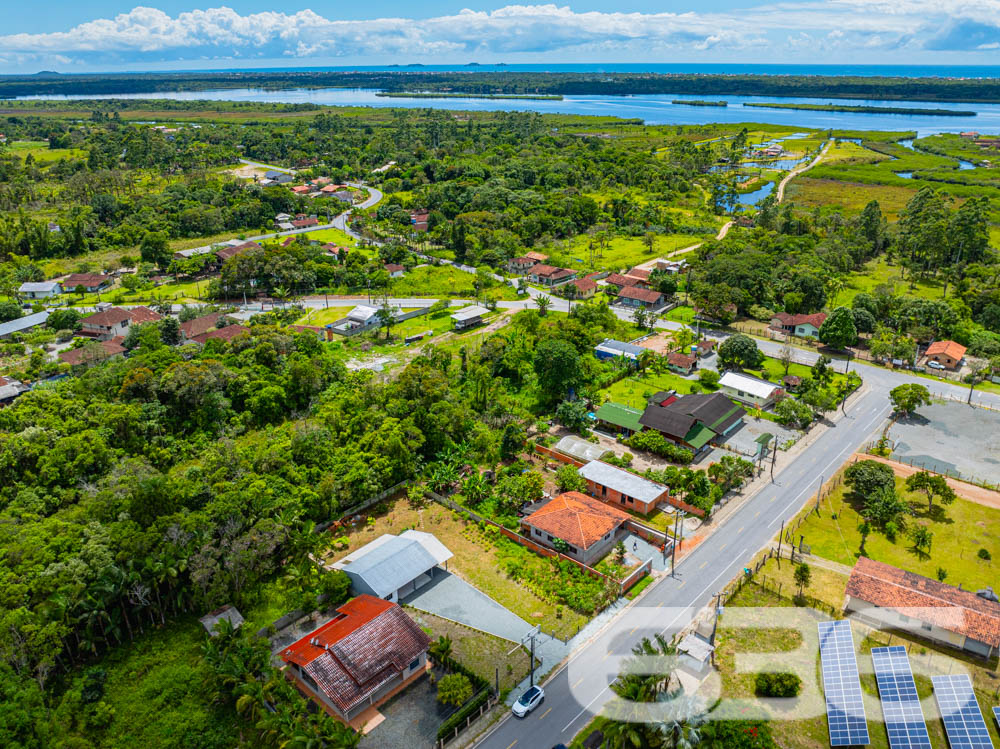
[[116, 315], [617, 279], [945, 606], [227, 333], [550, 271], [790, 321], [200, 325], [706, 344], [89, 280], [367, 644], [683, 361], [949, 348], [643, 295], [537, 256], [577, 519], [225, 253], [79, 355], [393, 267], [640, 273], [143, 314], [302, 223], [584, 284], [525, 260]]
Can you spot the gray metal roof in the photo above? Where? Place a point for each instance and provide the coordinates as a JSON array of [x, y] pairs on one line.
[[23, 323], [621, 481], [469, 313], [39, 286], [620, 347], [388, 563]]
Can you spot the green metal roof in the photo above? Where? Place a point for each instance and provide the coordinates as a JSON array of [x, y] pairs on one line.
[[698, 435], [619, 415], [723, 418]]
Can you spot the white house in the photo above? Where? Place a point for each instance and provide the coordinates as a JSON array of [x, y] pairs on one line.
[[40, 289], [751, 390]]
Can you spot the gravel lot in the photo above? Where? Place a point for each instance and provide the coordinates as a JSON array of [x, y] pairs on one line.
[[951, 437]]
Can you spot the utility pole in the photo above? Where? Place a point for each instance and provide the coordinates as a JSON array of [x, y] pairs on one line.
[[531, 636], [715, 623], [774, 457], [781, 535], [673, 551]]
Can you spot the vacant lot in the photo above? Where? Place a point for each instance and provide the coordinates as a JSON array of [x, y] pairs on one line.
[[951, 437], [959, 529], [473, 562], [848, 197]]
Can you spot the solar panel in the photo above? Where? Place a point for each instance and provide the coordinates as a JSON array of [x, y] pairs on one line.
[[845, 708], [963, 720], [996, 714], [904, 721]]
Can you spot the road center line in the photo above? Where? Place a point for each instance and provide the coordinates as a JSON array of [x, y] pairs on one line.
[[545, 713], [585, 708]]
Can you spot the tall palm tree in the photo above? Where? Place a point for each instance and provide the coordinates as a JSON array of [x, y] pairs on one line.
[[543, 303]]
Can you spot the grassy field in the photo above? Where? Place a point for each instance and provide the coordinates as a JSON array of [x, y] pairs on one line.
[[878, 273], [480, 652], [473, 562], [635, 391], [621, 252], [848, 197], [845, 152], [959, 529], [41, 153], [334, 236]]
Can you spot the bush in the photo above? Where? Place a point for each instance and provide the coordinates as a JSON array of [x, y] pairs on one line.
[[454, 689], [568, 479], [709, 378], [985, 555], [657, 444], [777, 685]]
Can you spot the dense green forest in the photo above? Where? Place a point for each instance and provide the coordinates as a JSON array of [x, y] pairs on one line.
[[840, 87]]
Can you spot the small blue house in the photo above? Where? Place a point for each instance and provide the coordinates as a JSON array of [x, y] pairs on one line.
[[610, 348]]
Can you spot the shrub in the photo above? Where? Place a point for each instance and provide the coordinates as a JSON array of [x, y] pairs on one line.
[[454, 689], [985, 555], [657, 444], [777, 685], [709, 378]]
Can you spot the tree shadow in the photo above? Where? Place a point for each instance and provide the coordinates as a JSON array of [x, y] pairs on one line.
[[920, 554], [936, 513], [913, 419]]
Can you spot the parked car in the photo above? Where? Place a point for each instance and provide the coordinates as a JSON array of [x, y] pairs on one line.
[[528, 701], [935, 365]]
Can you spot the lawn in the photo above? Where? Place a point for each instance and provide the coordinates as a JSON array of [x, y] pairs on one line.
[[480, 652], [42, 154], [620, 252], [473, 562], [681, 314], [635, 391], [851, 153], [333, 236], [959, 529], [878, 272]]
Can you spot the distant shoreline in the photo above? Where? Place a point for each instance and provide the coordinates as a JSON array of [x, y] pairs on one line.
[[863, 109], [700, 103], [449, 95]]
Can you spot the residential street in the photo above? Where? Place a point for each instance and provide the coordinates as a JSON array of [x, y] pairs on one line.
[[580, 688]]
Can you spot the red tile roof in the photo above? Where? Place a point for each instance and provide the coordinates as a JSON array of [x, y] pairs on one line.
[[681, 361], [200, 325], [143, 314], [948, 348], [80, 355], [790, 321], [541, 258], [640, 273], [302, 223], [393, 267], [584, 284], [116, 315], [643, 295], [945, 606], [577, 519], [88, 280], [227, 333], [367, 644], [550, 271], [617, 279], [225, 253]]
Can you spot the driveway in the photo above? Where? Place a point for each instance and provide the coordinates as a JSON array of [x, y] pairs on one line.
[[411, 719], [451, 597]]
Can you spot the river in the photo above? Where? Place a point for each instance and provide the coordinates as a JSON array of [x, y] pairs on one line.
[[653, 109]]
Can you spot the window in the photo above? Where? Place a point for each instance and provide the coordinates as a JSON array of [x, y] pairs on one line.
[[604, 491], [538, 533], [926, 626], [550, 538], [572, 550], [413, 664]]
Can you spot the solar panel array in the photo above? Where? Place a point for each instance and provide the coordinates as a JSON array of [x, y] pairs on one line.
[[963, 720], [904, 720], [996, 714], [845, 707]]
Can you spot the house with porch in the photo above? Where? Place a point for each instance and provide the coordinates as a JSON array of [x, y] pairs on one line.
[[40, 289], [587, 526], [549, 275], [91, 282], [693, 421], [750, 390], [680, 363], [617, 418], [947, 353], [368, 652], [803, 326], [521, 264], [891, 598], [115, 321], [634, 296], [581, 288]]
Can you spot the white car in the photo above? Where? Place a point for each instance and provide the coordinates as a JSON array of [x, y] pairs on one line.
[[528, 701], [935, 365]]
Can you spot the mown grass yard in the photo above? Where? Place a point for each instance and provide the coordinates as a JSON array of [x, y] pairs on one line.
[[480, 652], [635, 391], [959, 529], [880, 273], [475, 563], [620, 252]]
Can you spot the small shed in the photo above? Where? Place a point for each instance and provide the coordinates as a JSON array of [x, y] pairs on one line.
[[227, 612], [695, 653], [469, 317]]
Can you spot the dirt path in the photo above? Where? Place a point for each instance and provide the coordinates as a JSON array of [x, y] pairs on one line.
[[971, 492], [796, 172]]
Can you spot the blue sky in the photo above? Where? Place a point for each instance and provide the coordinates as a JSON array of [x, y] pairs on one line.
[[107, 35]]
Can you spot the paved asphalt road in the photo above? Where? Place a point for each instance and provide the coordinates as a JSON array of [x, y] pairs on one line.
[[580, 688]]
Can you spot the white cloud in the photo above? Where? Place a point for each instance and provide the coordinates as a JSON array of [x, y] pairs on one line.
[[148, 34]]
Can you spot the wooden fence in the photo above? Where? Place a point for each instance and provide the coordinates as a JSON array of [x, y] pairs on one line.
[[773, 586], [822, 494]]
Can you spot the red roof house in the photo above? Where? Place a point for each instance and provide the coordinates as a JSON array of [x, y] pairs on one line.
[[947, 353], [585, 287], [617, 279], [633, 296], [89, 355], [904, 600], [369, 651], [804, 326], [115, 321], [227, 333], [587, 525], [681, 363]]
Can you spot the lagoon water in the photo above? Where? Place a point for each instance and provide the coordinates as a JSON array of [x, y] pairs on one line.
[[653, 109]]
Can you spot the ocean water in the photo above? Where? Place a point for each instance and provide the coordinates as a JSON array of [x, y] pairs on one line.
[[652, 109]]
